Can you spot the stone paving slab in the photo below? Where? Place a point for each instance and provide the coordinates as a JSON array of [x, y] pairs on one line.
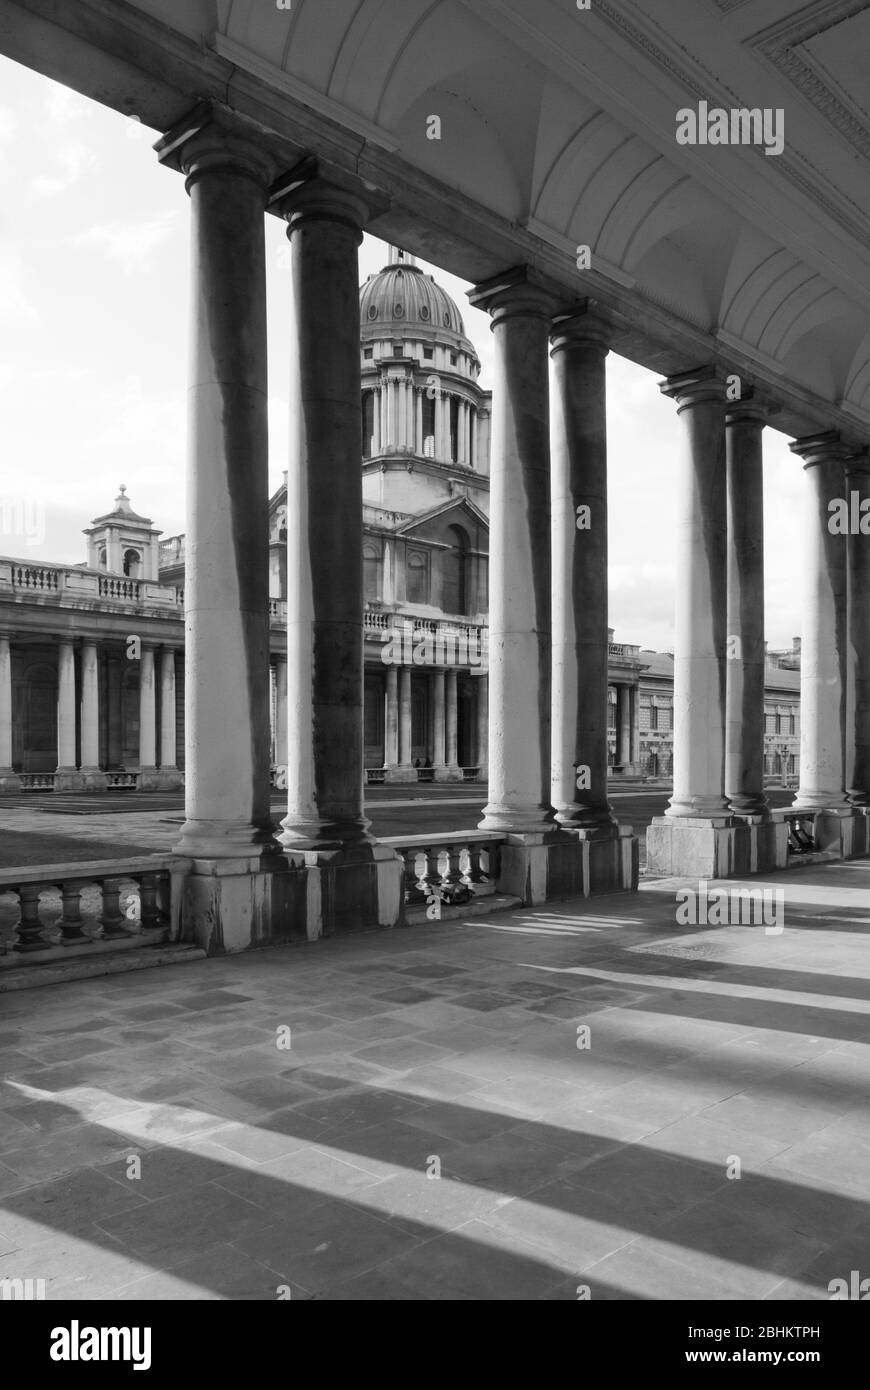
[[441, 1126]]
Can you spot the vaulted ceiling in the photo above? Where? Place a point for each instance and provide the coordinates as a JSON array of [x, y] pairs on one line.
[[557, 131]]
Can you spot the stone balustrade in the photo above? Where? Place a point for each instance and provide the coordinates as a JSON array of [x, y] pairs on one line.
[[454, 867], [50, 911]]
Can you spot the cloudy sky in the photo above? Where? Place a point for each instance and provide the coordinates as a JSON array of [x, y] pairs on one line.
[[93, 361]]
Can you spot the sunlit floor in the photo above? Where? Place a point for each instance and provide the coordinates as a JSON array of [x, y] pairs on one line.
[[584, 1100]]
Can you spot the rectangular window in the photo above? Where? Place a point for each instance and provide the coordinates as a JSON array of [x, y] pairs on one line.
[[428, 354], [368, 354]]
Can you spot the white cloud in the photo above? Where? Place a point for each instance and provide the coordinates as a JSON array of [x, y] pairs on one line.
[[16, 303], [75, 157], [8, 124], [129, 244]]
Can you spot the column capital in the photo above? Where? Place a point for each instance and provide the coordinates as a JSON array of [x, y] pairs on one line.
[[579, 329], [858, 463], [748, 408], [210, 140], [517, 291], [696, 387], [821, 448], [302, 195]]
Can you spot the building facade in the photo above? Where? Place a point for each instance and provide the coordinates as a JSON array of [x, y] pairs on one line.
[[92, 655]]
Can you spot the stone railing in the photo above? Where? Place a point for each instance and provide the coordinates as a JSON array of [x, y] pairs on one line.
[[122, 781], [278, 610], [453, 867], [74, 584], [74, 907], [36, 781], [127, 590]]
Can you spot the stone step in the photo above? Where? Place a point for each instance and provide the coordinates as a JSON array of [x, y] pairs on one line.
[[477, 907], [104, 958]]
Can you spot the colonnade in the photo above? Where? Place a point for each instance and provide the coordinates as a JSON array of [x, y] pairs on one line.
[[548, 634], [79, 710], [398, 421]]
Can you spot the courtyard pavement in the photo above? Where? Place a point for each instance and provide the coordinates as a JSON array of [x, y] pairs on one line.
[[419, 1113]]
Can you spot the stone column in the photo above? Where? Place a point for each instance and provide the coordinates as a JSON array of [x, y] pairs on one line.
[[147, 721], [858, 617], [226, 600], [66, 777], [744, 696], [391, 719], [114, 685], [579, 527], [410, 416], [699, 649], [442, 427], [325, 777], [418, 396], [169, 776], [91, 775], [452, 720], [377, 447], [824, 639], [482, 684], [281, 711], [623, 726], [9, 780], [695, 835], [405, 728], [634, 721], [520, 565], [439, 744], [385, 416]]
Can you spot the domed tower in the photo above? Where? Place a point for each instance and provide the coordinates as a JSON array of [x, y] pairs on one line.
[[425, 418]]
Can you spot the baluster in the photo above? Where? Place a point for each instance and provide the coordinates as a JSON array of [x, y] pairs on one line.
[[492, 867], [451, 881], [432, 873], [475, 868], [414, 887], [71, 933], [112, 919], [149, 903], [29, 928]]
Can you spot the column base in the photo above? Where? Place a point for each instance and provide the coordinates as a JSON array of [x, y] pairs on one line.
[[224, 840], [166, 779], [692, 847], [808, 799], [448, 774], [518, 818], [92, 779], [344, 889], [556, 864], [9, 780], [67, 779], [227, 903], [842, 832]]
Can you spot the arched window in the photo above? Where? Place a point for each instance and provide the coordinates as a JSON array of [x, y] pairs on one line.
[[368, 424], [454, 571], [371, 571], [132, 564], [417, 583], [101, 559]]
